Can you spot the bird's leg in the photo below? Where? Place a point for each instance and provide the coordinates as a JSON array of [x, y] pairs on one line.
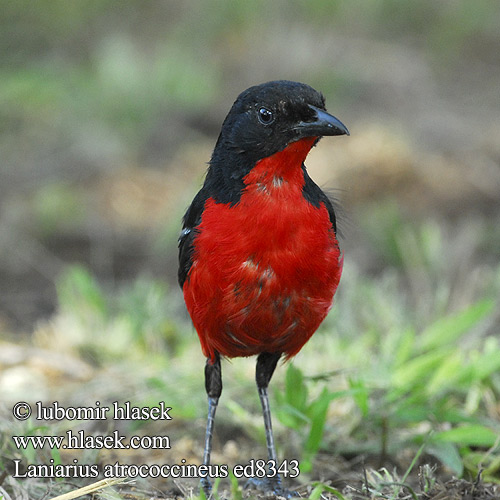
[[213, 386], [266, 364]]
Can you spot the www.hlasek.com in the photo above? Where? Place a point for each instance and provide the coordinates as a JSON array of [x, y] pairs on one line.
[[79, 440]]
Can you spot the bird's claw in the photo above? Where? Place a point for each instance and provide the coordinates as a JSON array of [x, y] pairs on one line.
[[206, 486], [270, 485]]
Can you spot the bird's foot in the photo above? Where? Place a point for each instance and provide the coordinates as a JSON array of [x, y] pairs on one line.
[[270, 485], [206, 486]]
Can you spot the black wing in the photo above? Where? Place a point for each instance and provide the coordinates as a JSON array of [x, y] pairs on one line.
[[190, 222], [314, 195]]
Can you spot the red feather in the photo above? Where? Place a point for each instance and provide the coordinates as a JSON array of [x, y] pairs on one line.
[[264, 270]]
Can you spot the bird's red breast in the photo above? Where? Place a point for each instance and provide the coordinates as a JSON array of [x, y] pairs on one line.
[[265, 269]]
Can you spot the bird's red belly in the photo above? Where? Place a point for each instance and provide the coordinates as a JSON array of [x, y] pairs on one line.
[[264, 273]]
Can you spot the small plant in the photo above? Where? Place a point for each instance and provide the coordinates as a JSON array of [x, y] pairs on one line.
[[320, 488], [306, 415]]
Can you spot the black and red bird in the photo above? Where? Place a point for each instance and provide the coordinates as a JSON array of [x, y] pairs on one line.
[[259, 261]]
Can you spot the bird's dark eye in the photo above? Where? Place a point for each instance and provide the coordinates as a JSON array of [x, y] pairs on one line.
[[266, 116]]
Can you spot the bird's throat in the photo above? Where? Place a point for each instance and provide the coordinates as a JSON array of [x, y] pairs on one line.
[[283, 167]]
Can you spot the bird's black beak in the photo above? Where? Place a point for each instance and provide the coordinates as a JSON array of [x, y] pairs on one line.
[[322, 124]]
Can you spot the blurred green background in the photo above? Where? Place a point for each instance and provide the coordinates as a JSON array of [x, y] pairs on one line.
[[109, 111]]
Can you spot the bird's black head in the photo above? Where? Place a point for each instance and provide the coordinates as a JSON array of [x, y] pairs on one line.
[[263, 120], [266, 118]]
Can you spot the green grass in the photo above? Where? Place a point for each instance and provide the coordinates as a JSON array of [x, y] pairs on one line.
[[433, 391]]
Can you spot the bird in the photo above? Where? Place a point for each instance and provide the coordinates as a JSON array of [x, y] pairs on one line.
[[259, 258]]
